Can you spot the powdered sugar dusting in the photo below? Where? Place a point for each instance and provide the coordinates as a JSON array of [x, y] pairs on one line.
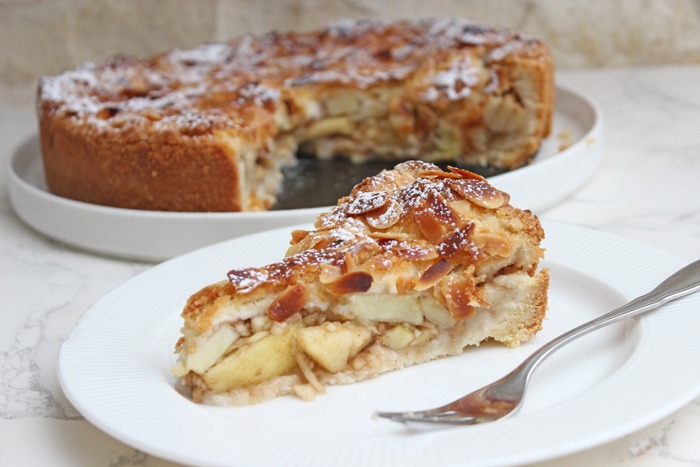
[[223, 81], [457, 81], [345, 237], [213, 53]]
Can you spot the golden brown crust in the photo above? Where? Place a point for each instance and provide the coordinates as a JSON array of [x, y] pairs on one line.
[[189, 130]]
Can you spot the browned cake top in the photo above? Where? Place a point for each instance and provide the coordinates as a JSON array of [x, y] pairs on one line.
[[228, 85], [415, 216]]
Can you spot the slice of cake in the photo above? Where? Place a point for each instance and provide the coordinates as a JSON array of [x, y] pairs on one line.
[[209, 129], [415, 264]]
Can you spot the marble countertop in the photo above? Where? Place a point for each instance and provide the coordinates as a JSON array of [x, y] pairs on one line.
[[647, 189]]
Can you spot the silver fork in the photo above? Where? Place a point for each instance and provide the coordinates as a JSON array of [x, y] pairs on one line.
[[503, 397]]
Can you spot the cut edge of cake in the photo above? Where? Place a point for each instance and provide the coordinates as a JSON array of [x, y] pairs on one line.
[[415, 264]]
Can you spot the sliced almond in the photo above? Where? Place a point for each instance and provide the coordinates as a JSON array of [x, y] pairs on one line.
[[429, 225], [366, 201], [463, 173], [438, 207], [438, 173], [289, 303], [414, 251], [299, 235], [358, 281], [480, 193], [456, 241], [433, 274], [461, 207], [385, 217]]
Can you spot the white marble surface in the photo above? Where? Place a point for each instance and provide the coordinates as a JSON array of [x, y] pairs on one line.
[[648, 189]]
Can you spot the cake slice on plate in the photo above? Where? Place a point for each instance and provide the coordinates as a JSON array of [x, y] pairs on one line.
[[415, 264]]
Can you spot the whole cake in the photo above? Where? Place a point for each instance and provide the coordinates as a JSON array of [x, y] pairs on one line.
[[209, 129], [415, 264]]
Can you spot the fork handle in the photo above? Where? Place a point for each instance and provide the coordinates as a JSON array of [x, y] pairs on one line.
[[682, 282]]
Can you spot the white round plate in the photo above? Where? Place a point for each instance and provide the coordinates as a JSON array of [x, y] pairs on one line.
[[154, 236], [115, 369]]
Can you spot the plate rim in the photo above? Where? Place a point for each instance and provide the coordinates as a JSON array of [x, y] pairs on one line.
[[24, 194], [664, 264]]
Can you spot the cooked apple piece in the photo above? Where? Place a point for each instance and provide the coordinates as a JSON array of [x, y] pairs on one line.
[[329, 126], [447, 142], [331, 345], [343, 102], [267, 358], [437, 313], [383, 307], [209, 350], [398, 337]]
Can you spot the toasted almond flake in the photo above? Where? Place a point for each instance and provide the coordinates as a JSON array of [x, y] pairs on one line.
[[480, 193], [433, 274], [438, 173], [386, 216], [437, 205], [412, 251], [358, 281], [299, 235], [429, 225], [289, 303], [455, 241], [463, 173], [366, 201]]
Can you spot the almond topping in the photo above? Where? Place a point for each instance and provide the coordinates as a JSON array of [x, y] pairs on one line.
[[411, 251], [438, 207], [299, 235], [351, 282], [289, 303], [463, 173], [366, 201], [386, 216], [438, 173], [480, 193], [433, 274], [429, 225], [455, 241]]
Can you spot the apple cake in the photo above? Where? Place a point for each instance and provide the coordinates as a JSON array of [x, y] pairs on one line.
[[209, 129], [415, 264]]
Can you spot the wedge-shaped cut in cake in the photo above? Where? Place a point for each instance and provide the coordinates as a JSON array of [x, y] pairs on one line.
[[211, 128], [415, 264]]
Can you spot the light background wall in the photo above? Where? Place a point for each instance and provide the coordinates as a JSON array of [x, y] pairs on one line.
[[47, 36]]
